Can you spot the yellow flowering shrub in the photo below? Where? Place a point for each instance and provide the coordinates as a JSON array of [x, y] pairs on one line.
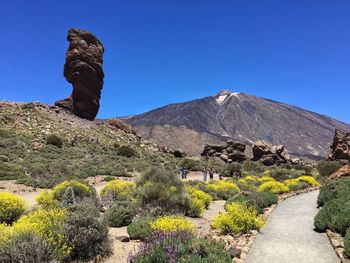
[[46, 199], [309, 180], [218, 186], [172, 224], [80, 189], [199, 194], [196, 208], [291, 182], [239, 218], [4, 233], [46, 223], [199, 201], [273, 187], [222, 189], [117, 189], [11, 207], [250, 178], [266, 179]]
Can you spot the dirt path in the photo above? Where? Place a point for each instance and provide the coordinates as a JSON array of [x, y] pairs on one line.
[[288, 236], [203, 223]]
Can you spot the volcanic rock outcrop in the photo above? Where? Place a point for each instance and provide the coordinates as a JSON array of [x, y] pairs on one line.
[[272, 155], [340, 148], [83, 69], [177, 153], [120, 125], [233, 151], [343, 171]]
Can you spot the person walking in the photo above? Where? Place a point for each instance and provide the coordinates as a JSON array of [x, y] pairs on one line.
[[211, 174], [205, 174]]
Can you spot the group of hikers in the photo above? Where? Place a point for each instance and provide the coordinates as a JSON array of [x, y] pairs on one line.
[[207, 172]]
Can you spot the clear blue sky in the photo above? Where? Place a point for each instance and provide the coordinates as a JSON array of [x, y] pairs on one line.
[[165, 51]]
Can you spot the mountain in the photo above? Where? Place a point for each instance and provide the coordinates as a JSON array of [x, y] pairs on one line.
[[230, 115]]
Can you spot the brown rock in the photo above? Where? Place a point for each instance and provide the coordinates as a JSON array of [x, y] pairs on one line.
[[233, 151], [340, 148], [120, 125], [272, 155], [83, 69], [343, 171], [123, 238]]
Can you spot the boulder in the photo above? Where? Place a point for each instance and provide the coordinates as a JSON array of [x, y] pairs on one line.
[[120, 125], [343, 171], [177, 153], [83, 69], [260, 149], [272, 155], [233, 151], [340, 148]]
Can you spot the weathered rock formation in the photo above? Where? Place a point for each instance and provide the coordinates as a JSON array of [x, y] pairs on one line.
[[272, 155], [340, 148], [177, 153], [83, 69], [233, 151], [120, 125], [343, 171]]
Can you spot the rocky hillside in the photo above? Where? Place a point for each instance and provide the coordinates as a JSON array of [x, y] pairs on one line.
[[215, 119], [88, 147]]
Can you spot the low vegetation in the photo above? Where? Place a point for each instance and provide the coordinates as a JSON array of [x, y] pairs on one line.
[[238, 218], [334, 213]]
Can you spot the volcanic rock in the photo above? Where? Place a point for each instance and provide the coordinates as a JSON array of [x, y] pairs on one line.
[[233, 151], [177, 153], [120, 125], [340, 148], [272, 155], [343, 171], [83, 69]]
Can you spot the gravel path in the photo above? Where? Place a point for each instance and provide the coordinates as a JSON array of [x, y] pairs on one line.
[[288, 236], [203, 224]]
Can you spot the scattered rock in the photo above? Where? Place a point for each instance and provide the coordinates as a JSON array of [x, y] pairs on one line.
[[123, 238], [340, 148], [83, 69], [233, 151], [343, 171]]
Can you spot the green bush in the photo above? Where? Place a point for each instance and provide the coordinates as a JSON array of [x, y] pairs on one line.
[[126, 151], [326, 168], [55, 140], [334, 189], [26, 246], [334, 215], [140, 227], [258, 200], [191, 164], [86, 234], [120, 214], [161, 188], [347, 242]]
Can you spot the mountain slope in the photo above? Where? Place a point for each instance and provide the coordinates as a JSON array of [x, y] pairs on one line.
[[215, 119], [89, 148]]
